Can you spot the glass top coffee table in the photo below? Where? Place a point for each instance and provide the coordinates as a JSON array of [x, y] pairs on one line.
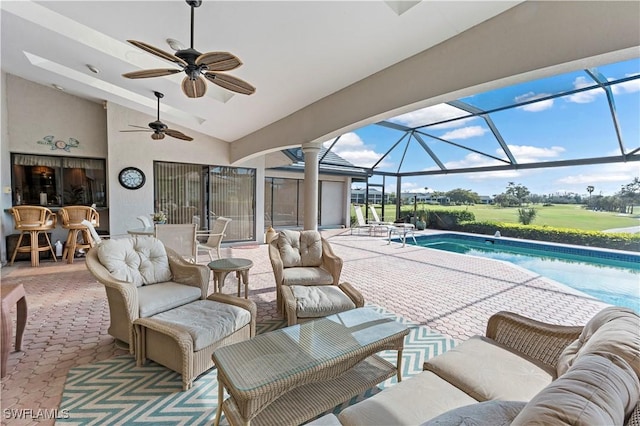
[[291, 375]]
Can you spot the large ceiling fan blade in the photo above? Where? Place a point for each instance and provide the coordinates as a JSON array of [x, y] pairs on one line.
[[158, 52], [194, 88], [139, 127], [178, 135], [230, 83], [129, 131], [161, 72], [219, 61]]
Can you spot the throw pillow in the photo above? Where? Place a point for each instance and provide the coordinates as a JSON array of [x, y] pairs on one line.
[[599, 389]]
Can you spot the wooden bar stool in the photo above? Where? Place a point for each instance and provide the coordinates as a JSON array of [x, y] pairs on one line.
[[72, 217], [33, 220]]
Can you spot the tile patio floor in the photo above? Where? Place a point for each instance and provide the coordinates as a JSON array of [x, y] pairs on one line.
[[451, 293]]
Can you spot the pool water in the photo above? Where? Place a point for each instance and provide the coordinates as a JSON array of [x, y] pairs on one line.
[[612, 278]]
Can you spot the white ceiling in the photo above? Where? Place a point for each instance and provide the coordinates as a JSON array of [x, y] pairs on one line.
[[294, 52]]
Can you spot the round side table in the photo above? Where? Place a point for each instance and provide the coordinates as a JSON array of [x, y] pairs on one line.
[[222, 267]]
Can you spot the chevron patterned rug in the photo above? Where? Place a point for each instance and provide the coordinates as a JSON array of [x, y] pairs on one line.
[[116, 392]]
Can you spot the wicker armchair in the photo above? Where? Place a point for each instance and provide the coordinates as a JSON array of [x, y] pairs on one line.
[[127, 301], [325, 272]]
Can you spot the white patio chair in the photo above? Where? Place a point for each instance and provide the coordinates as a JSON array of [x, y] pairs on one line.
[[361, 222], [213, 237], [146, 222], [376, 219], [179, 237]]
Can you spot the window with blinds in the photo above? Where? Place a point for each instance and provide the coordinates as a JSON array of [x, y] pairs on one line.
[[191, 193]]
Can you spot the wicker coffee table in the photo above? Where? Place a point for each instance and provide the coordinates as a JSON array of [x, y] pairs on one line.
[[291, 375]]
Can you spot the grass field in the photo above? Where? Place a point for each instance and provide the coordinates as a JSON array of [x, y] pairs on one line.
[[561, 215]]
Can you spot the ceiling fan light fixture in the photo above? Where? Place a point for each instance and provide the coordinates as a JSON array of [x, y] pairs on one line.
[[157, 136], [175, 44]]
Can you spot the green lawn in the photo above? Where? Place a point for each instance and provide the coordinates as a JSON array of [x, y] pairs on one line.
[[562, 216]]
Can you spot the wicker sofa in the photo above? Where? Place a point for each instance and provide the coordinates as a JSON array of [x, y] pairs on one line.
[[522, 372]]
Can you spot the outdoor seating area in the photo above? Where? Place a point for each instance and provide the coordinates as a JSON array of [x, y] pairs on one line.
[[427, 291]]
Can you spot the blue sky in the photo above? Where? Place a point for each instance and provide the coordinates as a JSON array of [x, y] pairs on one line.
[[569, 127]]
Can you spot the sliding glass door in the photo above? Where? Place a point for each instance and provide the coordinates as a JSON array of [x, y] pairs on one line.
[[191, 193]]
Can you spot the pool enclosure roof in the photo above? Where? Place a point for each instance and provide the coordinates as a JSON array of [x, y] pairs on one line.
[[588, 116]]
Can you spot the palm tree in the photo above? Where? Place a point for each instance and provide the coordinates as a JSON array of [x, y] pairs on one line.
[[590, 189]]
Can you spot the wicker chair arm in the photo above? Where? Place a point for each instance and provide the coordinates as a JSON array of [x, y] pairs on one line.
[[248, 305], [182, 339], [331, 262], [276, 263], [189, 273], [126, 290], [353, 294], [289, 302], [541, 341]]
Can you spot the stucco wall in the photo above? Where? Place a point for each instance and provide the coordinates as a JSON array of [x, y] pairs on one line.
[[32, 111]]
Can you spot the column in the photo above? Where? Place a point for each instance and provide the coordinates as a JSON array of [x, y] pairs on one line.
[[310, 151]]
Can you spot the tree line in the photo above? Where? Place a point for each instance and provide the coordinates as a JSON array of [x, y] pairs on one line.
[[518, 195]]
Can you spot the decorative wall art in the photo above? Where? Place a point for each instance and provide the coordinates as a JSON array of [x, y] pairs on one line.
[[59, 144]]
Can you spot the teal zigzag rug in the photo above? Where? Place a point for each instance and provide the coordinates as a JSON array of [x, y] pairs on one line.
[[116, 392]]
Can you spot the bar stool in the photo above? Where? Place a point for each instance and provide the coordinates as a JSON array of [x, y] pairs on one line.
[[72, 217], [33, 220]]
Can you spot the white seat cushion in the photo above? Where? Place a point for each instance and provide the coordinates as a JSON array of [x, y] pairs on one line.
[[207, 321], [415, 400], [153, 299], [320, 301], [487, 370]]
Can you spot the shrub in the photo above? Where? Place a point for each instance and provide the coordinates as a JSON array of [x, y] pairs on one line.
[[526, 216], [618, 241]]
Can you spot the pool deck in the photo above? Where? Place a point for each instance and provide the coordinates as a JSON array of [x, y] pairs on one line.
[[451, 293]]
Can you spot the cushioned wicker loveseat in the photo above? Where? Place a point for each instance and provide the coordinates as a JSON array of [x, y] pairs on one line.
[[523, 372]]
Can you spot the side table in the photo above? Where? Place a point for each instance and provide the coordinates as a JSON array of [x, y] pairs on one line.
[[222, 267], [12, 294]]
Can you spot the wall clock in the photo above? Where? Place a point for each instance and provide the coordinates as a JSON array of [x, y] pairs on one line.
[[131, 178]]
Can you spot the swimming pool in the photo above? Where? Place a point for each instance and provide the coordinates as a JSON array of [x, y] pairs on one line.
[[610, 276]]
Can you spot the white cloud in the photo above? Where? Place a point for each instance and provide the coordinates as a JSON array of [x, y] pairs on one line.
[[630, 86], [536, 106], [532, 154], [432, 114], [465, 133], [588, 95], [353, 149], [604, 173]]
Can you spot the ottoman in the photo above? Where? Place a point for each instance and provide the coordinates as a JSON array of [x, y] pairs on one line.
[[303, 302], [183, 339]]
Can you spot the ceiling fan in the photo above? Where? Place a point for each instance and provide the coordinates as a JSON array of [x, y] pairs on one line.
[[196, 65], [158, 128]]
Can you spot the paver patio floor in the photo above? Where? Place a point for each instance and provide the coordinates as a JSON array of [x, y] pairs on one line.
[[451, 293]]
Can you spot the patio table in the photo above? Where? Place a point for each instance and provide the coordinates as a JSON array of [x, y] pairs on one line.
[[290, 375]]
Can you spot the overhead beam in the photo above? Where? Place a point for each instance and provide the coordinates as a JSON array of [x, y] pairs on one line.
[[538, 165]]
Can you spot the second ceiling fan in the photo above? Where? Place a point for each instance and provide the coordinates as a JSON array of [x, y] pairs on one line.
[[158, 128], [196, 65]]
